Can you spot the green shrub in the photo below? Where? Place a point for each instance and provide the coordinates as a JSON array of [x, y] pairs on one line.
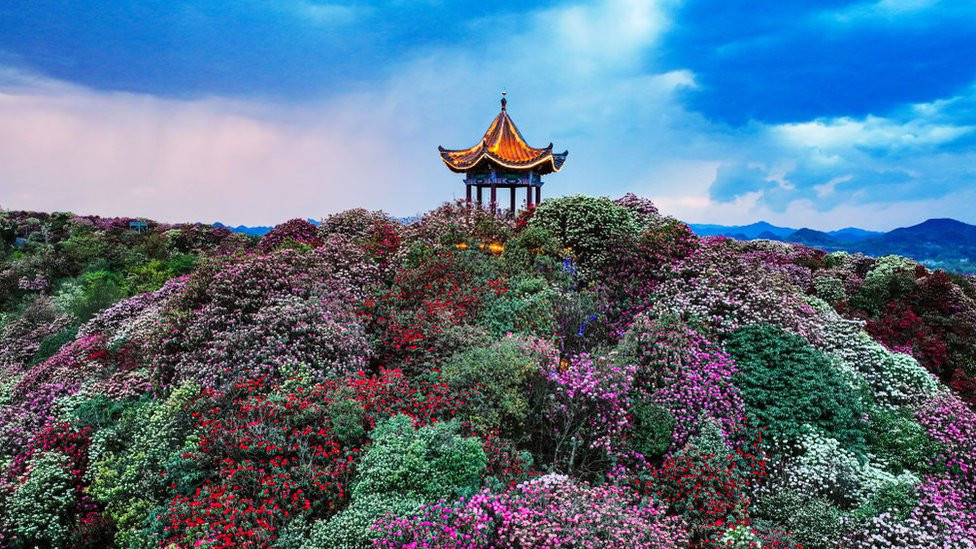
[[294, 535], [829, 289], [897, 498], [899, 443], [130, 457], [531, 248], [427, 463], [39, 508], [151, 276], [51, 344], [402, 469], [500, 373], [526, 308], [346, 417], [790, 387], [90, 293], [590, 226], [892, 277], [351, 528], [812, 521], [653, 426]]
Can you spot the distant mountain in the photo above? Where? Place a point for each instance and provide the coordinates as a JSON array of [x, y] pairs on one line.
[[253, 231], [749, 231], [936, 231], [853, 234], [817, 239], [943, 243], [259, 230], [938, 243]]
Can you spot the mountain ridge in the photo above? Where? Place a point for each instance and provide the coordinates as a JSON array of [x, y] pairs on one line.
[[938, 242]]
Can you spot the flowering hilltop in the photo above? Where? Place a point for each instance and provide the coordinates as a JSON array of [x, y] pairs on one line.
[[587, 375]]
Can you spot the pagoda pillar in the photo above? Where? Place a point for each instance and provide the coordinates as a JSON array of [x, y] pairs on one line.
[[512, 208], [538, 195], [479, 195], [528, 197], [494, 198], [467, 189]]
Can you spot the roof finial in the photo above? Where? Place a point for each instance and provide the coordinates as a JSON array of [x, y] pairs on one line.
[[504, 101]]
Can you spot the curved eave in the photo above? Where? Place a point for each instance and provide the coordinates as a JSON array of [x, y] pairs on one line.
[[555, 161]]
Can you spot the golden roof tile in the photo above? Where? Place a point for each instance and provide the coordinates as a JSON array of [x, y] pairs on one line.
[[504, 146]]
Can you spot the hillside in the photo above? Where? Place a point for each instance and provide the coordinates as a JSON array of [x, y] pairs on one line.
[[591, 374]]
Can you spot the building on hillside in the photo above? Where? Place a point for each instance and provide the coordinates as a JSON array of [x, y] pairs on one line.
[[503, 160], [138, 226]]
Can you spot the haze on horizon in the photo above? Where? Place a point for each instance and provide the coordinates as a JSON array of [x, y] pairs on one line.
[[844, 114]]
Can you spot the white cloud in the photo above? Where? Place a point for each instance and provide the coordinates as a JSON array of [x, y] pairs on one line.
[[870, 131]]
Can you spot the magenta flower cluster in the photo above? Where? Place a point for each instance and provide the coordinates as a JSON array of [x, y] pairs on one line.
[[551, 512]]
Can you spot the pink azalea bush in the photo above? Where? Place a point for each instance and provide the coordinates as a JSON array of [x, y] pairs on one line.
[[716, 286], [242, 317], [587, 410], [32, 397], [685, 373], [551, 512]]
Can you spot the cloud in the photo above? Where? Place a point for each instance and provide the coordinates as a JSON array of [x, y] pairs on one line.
[[798, 61], [330, 14], [68, 148], [596, 77]]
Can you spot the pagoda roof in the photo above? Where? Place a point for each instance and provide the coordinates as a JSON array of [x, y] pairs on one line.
[[504, 146]]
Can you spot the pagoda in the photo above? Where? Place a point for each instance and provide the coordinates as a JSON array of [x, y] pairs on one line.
[[503, 160]]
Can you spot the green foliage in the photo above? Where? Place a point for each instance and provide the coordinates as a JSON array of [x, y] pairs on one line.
[[39, 509], [51, 344], [899, 442], [813, 521], [151, 276], [294, 534], [897, 498], [526, 308], [83, 245], [653, 426], [829, 289], [427, 463], [402, 469], [891, 278], [99, 412], [351, 528], [589, 226], [90, 293], [130, 457], [534, 247], [346, 417], [500, 374], [791, 388]]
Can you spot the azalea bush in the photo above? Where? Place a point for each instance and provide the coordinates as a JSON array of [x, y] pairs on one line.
[[243, 317], [589, 227], [552, 511], [684, 373], [793, 390]]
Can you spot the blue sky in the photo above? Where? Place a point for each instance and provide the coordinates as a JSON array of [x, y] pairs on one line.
[[828, 115]]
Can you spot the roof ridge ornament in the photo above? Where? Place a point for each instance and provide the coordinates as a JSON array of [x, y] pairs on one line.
[[504, 101]]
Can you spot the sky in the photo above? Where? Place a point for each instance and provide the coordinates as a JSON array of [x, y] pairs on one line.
[[820, 114]]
